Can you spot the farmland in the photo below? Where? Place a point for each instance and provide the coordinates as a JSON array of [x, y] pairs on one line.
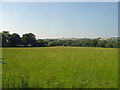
[[60, 67]]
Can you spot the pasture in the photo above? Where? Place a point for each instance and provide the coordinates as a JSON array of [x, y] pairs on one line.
[[60, 67]]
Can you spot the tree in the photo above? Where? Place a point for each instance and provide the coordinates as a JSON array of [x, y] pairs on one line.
[[40, 43], [64, 43], [59, 42], [28, 39], [0, 39], [14, 39], [101, 43], [68, 43], [5, 36], [46, 43], [109, 45], [6, 33], [93, 43], [51, 44], [4, 40], [85, 43]]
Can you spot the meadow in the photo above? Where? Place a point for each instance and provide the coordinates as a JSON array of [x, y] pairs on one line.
[[60, 67]]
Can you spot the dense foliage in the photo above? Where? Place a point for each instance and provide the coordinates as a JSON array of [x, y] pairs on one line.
[[29, 40]]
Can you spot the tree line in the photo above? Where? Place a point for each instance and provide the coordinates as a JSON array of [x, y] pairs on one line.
[[29, 40]]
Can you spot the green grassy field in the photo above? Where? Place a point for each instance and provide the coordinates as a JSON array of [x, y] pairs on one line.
[[60, 67]]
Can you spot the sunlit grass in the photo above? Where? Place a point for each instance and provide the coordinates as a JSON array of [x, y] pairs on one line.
[[54, 67]]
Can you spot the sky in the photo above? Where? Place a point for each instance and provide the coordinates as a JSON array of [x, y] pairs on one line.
[[61, 19]]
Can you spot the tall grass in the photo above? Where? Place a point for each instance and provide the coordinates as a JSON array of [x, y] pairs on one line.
[[60, 67]]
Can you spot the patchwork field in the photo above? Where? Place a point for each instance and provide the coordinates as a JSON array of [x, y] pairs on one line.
[[60, 67]]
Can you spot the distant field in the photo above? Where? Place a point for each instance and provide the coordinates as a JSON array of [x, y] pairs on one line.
[[60, 67]]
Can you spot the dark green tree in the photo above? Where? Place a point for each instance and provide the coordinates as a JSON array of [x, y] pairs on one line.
[[93, 43], [85, 43], [28, 39], [14, 39], [40, 43], [5, 37]]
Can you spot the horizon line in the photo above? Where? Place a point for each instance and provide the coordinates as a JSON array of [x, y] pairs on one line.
[[82, 37], [58, 37]]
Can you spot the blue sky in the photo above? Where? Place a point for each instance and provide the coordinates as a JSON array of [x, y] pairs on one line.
[[61, 19]]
